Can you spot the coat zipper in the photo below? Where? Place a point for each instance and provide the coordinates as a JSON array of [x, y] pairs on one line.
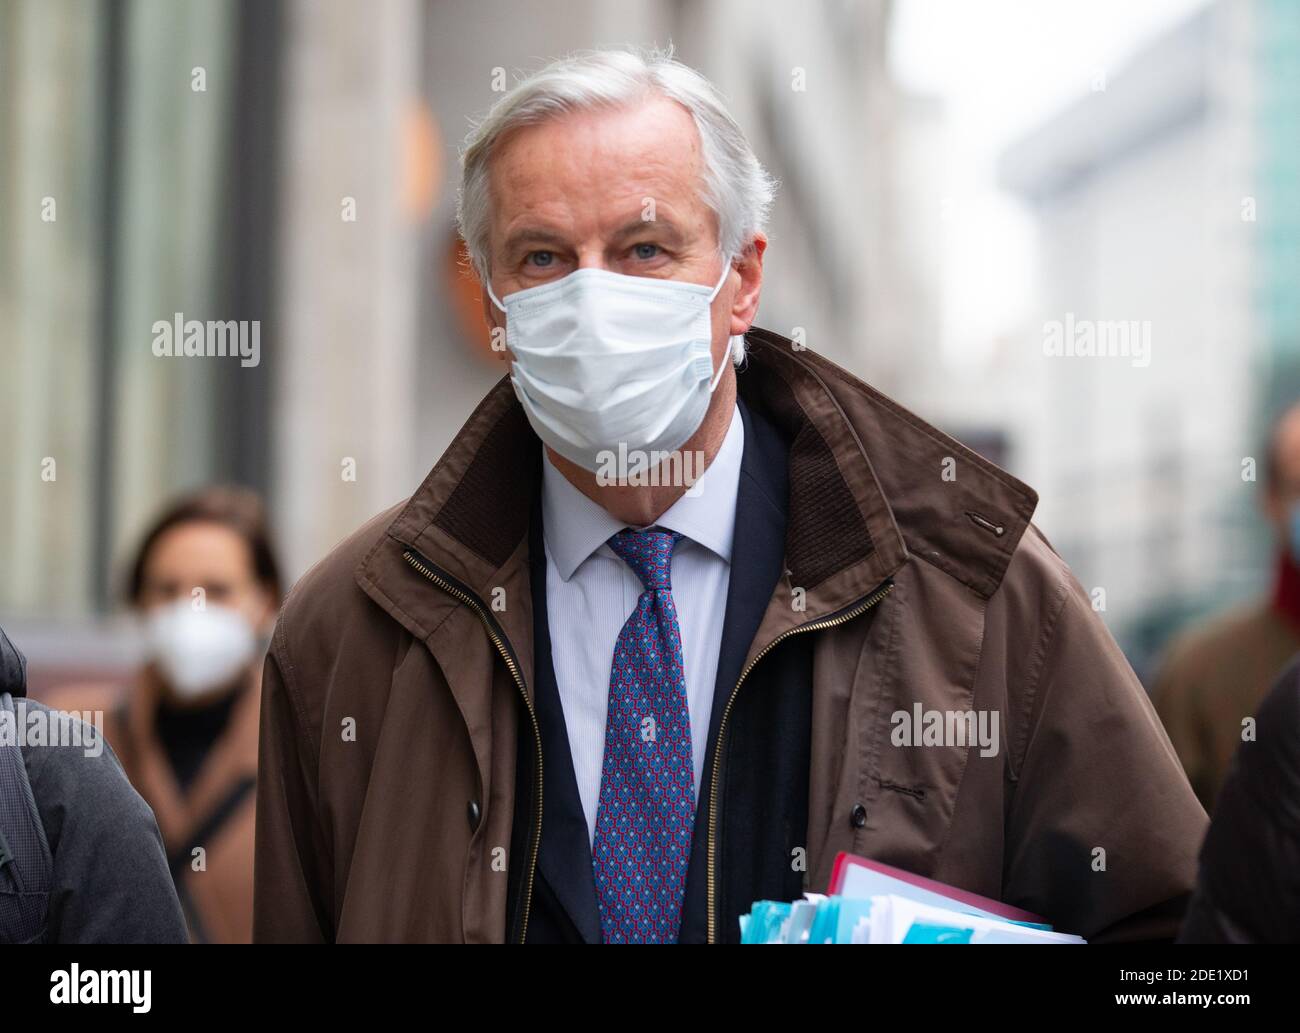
[[854, 610], [458, 591]]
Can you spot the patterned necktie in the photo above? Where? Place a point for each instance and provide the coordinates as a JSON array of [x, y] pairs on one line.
[[646, 813]]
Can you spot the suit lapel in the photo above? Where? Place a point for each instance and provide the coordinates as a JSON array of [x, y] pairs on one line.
[[564, 859]]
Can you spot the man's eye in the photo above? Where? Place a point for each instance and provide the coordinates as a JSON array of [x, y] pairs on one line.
[[646, 251], [541, 259]]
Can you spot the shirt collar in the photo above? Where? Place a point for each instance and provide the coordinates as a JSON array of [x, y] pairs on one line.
[[575, 526]]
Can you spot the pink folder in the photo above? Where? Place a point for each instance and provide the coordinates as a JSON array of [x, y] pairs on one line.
[[844, 862]]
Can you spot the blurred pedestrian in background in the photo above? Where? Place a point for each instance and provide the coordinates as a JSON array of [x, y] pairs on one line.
[[1249, 885], [1215, 676], [206, 583]]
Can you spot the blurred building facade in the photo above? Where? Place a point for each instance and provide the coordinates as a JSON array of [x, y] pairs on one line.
[[293, 163], [1162, 213]]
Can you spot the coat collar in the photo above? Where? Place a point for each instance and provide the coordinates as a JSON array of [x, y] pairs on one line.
[[870, 485]]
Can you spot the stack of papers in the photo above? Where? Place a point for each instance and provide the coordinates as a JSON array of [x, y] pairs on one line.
[[870, 902]]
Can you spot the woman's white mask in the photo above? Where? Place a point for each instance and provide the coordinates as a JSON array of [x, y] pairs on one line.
[[199, 651]]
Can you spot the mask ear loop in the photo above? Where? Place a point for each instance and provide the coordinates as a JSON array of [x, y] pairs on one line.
[[731, 343], [726, 270], [722, 368], [488, 287]]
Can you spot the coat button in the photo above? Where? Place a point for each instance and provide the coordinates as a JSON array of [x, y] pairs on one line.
[[474, 814], [859, 816]]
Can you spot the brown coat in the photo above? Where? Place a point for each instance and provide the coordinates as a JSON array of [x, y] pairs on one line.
[[218, 898], [393, 689]]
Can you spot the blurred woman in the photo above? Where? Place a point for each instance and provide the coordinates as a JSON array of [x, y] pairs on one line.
[[206, 585]]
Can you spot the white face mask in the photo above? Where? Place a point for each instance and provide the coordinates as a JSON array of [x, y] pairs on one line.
[[603, 360], [198, 651]]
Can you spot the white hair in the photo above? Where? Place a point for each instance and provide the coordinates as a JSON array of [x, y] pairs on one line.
[[736, 186]]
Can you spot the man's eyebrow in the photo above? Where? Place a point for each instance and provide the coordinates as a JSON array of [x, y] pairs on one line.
[[525, 235], [533, 235], [664, 227]]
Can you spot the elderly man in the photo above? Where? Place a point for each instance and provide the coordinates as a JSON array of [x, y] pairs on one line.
[[572, 691]]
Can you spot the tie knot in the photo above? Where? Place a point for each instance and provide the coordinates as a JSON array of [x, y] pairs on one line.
[[649, 554]]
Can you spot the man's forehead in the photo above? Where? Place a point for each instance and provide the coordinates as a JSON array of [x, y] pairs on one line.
[[604, 161]]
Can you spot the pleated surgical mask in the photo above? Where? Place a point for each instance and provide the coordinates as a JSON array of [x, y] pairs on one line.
[[602, 360]]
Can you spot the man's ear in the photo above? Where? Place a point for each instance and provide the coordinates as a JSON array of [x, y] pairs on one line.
[[750, 266]]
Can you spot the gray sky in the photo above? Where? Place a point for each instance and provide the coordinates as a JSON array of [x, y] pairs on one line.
[[1003, 67]]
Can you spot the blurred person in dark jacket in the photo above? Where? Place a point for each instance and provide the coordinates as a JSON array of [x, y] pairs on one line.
[[1214, 676], [1249, 885], [206, 584], [80, 856]]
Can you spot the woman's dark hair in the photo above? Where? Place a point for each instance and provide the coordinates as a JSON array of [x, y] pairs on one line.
[[238, 509]]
